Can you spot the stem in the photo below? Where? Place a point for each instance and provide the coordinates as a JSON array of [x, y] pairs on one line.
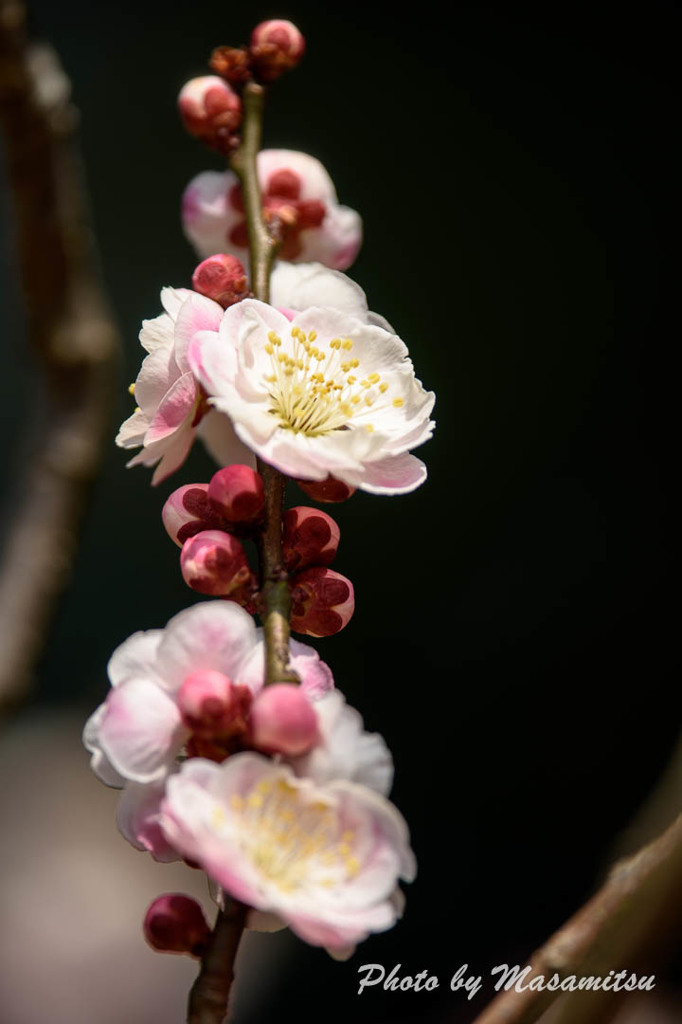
[[640, 894], [263, 247], [210, 992], [74, 343]]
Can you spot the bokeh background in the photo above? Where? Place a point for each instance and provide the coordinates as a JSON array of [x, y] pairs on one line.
[[514, 637]]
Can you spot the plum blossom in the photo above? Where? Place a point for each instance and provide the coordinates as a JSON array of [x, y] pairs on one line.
[[296, 189], [318, 392], [136, 735], [170, 405], [325, 859], [172, 409], [344, 750]]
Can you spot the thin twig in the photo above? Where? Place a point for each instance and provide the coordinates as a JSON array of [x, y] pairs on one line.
[[72, 337], [275, 593], [638, 895]]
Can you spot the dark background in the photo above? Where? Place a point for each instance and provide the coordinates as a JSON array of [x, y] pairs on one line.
[[513, 637]]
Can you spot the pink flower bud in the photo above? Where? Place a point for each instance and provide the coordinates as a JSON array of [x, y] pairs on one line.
[[212, 705], [310, 537], [283, 721], [175, 923], [211, 111], [327, 492], [237, 493], [322, 601], [276, 46], [188, 512], [214, 563], [222, 278]]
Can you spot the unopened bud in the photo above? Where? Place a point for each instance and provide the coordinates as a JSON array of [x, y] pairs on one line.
[[322, 601], [311, 537], [175, 923], [237, 493], [276, 47], [283, 721], [188, 512], [328, 491], [214, 563], [211, 111], [222, 278], [232, 63], [212, 705]]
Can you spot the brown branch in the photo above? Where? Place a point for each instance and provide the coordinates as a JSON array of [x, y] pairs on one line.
[[72, 337], [209, 995], [626, 914], [263, 248]]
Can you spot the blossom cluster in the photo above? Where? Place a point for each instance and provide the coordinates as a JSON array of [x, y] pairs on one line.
[[276, 791]]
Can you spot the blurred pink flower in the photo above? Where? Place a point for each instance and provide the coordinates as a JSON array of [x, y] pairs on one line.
[[325, 859], [296, 189]]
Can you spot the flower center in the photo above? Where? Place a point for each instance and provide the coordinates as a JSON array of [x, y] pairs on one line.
[[291, 842], [314, 392]]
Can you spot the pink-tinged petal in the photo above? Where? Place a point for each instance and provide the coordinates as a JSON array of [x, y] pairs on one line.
[[136, 656], [132, 431], [316, 677], [339, 934], [157, 375], [315, 181], [223, 445], [173, 298], [141, 731], [175, 454], [99, 762], [211, 635], [207, 216], [197, 313], [137, 817], [177, 404], [337, 242], [211, 361], [398, 474]]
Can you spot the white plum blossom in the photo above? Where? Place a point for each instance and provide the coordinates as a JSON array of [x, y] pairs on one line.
[[326, 859], [170, 405], [317, 392], [136, 735], [172, 410], [344, 750], [297, 189]]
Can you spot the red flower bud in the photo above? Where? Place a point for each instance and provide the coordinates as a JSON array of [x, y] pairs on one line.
[[175, 923], [222, 278], [211, 111], [322, 601], [212, 705], [283, 721], [188, 512], [327, 492], [276, 47], [214, 563], [311, 537], [237, 493]]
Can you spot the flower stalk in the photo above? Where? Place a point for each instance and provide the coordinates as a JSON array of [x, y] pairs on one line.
[[263, 248]]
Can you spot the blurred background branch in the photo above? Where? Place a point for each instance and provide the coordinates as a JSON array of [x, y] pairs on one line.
[[73, 340]]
